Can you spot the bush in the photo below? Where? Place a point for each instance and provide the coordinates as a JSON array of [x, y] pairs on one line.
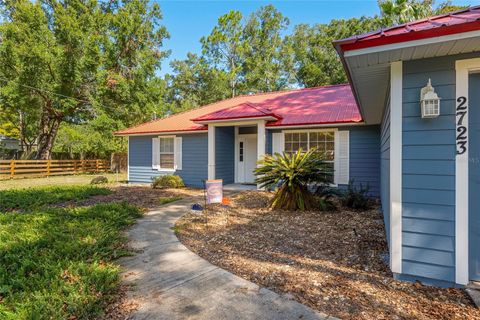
[[292, 174], [99, 180], [167, 181], [356, 197], [325, 197]]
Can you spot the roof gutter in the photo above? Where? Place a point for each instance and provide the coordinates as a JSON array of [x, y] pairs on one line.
[[157, 133]]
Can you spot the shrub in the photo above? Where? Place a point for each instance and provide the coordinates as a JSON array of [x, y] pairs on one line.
[[292, 174], [325, 197], [167, 181], [99, 180], [356, 196]]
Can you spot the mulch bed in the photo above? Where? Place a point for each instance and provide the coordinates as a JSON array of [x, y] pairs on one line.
[[333, 262], [141, 196]]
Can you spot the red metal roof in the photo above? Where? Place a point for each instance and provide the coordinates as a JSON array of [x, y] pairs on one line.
[[319, 105], [446, 24], [241, 111]]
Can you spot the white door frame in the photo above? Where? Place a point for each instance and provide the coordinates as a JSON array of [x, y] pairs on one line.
[[237, 151], [463, 70]]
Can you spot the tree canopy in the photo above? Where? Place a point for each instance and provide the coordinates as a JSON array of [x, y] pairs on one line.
[[74, 71]]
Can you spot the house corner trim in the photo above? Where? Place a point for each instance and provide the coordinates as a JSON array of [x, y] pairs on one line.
[[396, 106]]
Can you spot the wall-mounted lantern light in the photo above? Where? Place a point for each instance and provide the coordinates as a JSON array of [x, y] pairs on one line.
[[430, 102]]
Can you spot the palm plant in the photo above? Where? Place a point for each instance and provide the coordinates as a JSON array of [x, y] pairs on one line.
[[292, 175]]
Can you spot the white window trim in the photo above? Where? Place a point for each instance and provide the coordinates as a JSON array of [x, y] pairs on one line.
[[174, 155], [335, 147]]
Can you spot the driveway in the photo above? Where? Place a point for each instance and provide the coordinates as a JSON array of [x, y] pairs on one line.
[[171, 282]]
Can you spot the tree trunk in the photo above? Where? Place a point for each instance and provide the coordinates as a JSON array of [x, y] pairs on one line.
[[48, 132]]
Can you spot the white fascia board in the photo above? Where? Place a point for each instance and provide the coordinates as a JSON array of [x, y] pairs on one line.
[[412, 43]]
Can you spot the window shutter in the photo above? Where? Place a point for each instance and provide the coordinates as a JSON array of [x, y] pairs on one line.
[[343, 157], [278, 142], [178, 153], [156, 154]]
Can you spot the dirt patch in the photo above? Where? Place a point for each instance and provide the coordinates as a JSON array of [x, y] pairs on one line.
[[334, 262], [142, 196], [121, 305]]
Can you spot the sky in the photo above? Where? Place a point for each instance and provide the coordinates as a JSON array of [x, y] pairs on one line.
[[188, 21]]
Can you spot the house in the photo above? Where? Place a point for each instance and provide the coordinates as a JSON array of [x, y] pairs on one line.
[[407, 124], [9, 143], [224, 140]]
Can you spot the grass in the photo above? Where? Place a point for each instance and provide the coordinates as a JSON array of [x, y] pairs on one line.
[[34, 198], [166, 200], [57, 263], [83, 179]]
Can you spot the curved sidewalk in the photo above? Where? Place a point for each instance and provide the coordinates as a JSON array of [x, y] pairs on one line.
[[171, 282]]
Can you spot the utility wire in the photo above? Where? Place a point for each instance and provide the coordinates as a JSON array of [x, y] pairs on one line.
[[46, 91], [59, 94]]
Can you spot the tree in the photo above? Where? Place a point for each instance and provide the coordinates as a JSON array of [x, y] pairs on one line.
[[265, 53], [130, 89], [402, 11], [316, 62], [93, 139], [225, 49], [68, 61], [194, 83], [446, 7]]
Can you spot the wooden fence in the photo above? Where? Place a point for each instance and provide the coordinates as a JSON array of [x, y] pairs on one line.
[[10, 169]]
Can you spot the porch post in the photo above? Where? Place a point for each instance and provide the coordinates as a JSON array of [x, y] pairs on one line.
[[260, 141], [211, 152]]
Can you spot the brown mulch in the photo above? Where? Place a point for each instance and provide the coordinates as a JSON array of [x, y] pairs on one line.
[[121, 306], [333, 262], [141, 196]]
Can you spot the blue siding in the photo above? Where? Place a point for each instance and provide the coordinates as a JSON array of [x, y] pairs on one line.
[[365, 157], [385, 170], [225, 154], [428, 186], [194, 164], [195, 159]]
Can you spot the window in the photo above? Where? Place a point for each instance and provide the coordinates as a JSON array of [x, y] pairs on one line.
[[324, 141], [167, 154], [241, 151]]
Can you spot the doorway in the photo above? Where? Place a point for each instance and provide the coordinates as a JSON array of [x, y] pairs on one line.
[[246, 158]]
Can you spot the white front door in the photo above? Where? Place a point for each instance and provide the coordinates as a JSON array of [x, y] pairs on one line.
[[246, 158]]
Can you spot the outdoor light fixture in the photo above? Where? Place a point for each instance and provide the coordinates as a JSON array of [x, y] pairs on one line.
[[430, 102]]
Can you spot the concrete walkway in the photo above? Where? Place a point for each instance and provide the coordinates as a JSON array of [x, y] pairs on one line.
[[171, 282]]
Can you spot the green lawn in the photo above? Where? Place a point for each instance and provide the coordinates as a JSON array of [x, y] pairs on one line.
[[29, 199], [58, 263], [81, 179]]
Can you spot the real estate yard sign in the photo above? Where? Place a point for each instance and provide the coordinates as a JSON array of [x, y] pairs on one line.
[[214, 190]]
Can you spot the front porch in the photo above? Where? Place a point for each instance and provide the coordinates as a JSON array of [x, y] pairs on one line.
[[234, 147]]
